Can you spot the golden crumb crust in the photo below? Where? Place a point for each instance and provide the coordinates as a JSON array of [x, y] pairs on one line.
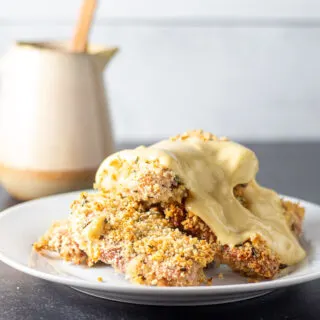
[[135, 240], [59, 239], [144, 231]]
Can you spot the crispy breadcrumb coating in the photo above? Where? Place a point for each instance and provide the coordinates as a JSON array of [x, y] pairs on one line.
[[252, 258], [145, 231], [59, 239], [139, 242]]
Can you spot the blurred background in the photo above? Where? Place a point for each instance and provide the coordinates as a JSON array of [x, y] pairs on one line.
[[246, 69]]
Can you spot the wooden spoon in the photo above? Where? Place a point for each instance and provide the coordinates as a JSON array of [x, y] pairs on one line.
[[80, 39]]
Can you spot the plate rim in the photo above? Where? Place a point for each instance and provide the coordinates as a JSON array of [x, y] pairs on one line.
[[142, 289]]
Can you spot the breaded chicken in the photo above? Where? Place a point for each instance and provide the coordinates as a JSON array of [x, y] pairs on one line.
[[137, 241], [139, 223]]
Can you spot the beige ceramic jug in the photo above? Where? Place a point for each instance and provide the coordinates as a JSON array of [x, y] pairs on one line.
[[54, 123]]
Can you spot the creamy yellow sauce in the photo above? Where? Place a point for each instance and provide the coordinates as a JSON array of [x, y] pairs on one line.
[[210, 170]]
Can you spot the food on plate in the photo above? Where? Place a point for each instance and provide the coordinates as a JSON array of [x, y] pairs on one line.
[[162, 214]]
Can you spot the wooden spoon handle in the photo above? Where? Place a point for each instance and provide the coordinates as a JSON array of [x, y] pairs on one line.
[[80, 39]]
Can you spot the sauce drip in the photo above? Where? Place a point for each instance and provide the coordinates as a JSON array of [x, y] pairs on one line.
[[210, 170]]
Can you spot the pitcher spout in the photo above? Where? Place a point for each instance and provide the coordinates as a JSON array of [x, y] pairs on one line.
[[103, 56]]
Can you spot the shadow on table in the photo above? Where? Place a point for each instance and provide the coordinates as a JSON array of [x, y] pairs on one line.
[[287, 303], [6, 200]]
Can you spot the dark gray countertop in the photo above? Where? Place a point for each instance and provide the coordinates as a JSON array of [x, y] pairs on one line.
[[291, 169]]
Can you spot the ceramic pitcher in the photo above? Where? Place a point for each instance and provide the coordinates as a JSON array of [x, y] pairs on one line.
[[54, 123]]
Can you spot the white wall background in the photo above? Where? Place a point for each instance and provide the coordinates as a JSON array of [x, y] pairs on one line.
[[248, 69]]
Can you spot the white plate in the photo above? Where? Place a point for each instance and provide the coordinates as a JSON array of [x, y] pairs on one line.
[[21, 225]]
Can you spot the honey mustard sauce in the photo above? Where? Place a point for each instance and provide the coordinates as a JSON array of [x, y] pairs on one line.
[[210, 170]]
